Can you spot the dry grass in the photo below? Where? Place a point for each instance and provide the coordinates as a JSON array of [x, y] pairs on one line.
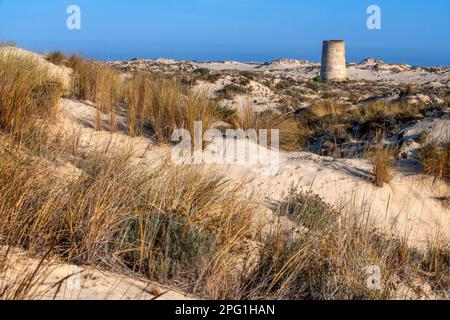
[[166, 222], [56, 57], [183, 226], [192, 229], [27, 96], [100, 84], [167, 106], [435, 160], [247, 119], [382, 158], [330, 258], [327, 108]]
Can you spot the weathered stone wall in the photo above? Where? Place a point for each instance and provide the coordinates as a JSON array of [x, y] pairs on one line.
[[334, 65]]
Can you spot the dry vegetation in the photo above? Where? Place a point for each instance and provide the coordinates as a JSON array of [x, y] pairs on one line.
[[330, 258], [56, 57], [27, 96], [288, 128], [435, 160], [182, 226], [382, 158], [334, 125]]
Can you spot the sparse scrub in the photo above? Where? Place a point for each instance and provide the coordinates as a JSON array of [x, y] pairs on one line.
[[329, 122], [330, 257], [206, 75], [229, 91], [186, 226], [7, 44]]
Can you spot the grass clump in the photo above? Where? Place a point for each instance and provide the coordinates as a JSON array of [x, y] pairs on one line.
[[435, 160], [28, 97], [327, 108], [382, 158], [247, 119], [318, 78], [56, 57], [99, 84]]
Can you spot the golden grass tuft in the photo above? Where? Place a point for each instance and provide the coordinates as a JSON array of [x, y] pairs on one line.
[[435, 160], [327, 108], [28, 98], [382, 158], [247, 119]]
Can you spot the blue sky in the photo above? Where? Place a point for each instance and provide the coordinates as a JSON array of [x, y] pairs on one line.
[[414, 31]]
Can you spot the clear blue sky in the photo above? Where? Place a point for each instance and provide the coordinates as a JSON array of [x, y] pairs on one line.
[[414, 31]]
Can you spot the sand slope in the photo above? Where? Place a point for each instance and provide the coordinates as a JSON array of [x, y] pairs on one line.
[[408, 206]]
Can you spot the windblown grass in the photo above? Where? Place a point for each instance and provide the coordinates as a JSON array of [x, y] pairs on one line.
[[165, 222], [288, 128], [20, 279], [28, 98], [435, 160], [331, 124], [331, 257]]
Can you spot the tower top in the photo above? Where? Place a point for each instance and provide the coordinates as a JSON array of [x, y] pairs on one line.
[[334, 65]]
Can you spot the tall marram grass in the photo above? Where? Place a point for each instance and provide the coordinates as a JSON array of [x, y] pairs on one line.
[[28, 98], [269, 120], [167, 223], [165, 105], [150, 101], [382, 158]]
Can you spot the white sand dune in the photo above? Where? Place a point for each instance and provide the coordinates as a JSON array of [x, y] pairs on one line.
[[407, 207]]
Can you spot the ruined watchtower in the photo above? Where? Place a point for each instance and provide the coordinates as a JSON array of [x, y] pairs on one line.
[[333, 61]]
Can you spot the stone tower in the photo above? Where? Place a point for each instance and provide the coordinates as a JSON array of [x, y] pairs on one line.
[[334, 65]]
